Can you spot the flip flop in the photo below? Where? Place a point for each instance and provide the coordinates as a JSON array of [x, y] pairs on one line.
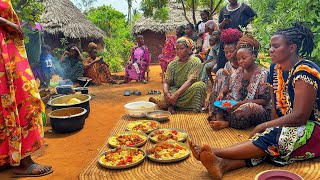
[[28, 172], [136, 92], [126, 93]]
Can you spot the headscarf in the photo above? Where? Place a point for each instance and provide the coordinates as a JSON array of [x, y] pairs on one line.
[[210, 24], [186, 41], [230, 35], [247, 41]]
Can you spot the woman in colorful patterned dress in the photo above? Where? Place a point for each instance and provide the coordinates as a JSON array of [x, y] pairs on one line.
[[168, 53], [139, 61], [294, 132], [95, 68], [230, 38], [247, 86], [182, 88], [21, 128]]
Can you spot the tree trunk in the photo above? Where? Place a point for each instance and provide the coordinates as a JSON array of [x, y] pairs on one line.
[[194, 12]]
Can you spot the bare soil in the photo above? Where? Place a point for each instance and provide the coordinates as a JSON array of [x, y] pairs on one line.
[[70, 153]]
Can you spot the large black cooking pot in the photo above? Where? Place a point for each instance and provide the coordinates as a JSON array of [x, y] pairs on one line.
[[67, 119], [60, 102]]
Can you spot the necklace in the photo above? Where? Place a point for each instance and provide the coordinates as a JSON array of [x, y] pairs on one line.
[[237, 7]]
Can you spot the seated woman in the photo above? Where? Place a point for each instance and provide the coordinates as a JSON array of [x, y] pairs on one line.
[[71, 66], [247, 86], [230, 38], [293, 134], [139, 61], [182, 87], [168, 53], [95, 68]]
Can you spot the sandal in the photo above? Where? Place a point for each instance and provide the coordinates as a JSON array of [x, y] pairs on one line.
[[29, 172], [127, 93], [136, 92]]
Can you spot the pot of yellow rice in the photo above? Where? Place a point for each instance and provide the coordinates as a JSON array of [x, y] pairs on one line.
[[72, 100]]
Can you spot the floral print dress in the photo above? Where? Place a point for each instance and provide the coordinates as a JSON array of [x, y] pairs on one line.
[[284, 145], [21, 127]]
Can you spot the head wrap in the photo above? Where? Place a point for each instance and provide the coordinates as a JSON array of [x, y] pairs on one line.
[[230, 35], [210, 24], [247, 41], [186, 41]]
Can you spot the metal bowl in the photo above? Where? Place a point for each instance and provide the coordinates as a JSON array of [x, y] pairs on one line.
[[159, 115], [64, 89], [60, 102], [83, 81], [67, 119]]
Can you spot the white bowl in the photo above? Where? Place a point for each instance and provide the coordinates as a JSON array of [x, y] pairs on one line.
[[139, 108]]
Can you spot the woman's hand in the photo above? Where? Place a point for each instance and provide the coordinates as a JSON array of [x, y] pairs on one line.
[[259, 129], [167, 97], [12, 27], [220, 96], [173, 99], [227, 21]]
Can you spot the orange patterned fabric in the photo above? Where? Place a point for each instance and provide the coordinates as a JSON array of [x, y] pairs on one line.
[[21, 127]]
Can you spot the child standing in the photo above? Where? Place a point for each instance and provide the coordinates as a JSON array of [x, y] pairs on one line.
[[46, 64], [211, 59]]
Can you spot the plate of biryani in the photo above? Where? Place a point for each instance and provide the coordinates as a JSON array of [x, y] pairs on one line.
[[224, 104], [167, 134], [121, 158], [129, 139], [168, 152], [145, 126]]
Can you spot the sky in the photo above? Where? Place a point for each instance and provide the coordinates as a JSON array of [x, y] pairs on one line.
[[120, 5]]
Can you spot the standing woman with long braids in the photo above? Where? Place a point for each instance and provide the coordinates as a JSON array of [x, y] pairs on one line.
[[294, 132], [21, 128]]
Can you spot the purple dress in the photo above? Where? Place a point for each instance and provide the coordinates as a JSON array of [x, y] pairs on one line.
[[140, 58]]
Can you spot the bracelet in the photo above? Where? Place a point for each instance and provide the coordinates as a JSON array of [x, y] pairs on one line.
[[266, 124]]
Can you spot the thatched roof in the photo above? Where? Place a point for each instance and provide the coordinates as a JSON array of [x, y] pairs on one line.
[[62, 16], [176, 18]]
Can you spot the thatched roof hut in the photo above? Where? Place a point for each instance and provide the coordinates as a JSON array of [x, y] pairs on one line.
[[63, 19], [154, 31]]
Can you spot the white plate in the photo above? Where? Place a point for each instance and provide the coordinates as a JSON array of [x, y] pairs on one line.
[[169, 129], [171, 160], [121, 167], [130, 132], [143, 121]]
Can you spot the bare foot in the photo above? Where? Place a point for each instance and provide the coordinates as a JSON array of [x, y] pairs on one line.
[[217, 125], [211, 162], [195, 149], [171, 109], [152, 99]]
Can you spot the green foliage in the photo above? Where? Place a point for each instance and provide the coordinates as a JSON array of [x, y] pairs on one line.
[[57, 52], [118, 41], [28, 10], [275, 14], [159, 11], [161, 14]]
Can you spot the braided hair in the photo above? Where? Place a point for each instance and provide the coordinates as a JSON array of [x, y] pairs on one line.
[[300, 35]]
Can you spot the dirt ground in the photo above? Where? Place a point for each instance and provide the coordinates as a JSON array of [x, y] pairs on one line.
[[69, 153]]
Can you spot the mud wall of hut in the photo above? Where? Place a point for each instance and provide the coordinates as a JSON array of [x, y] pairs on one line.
[[153, 40]]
